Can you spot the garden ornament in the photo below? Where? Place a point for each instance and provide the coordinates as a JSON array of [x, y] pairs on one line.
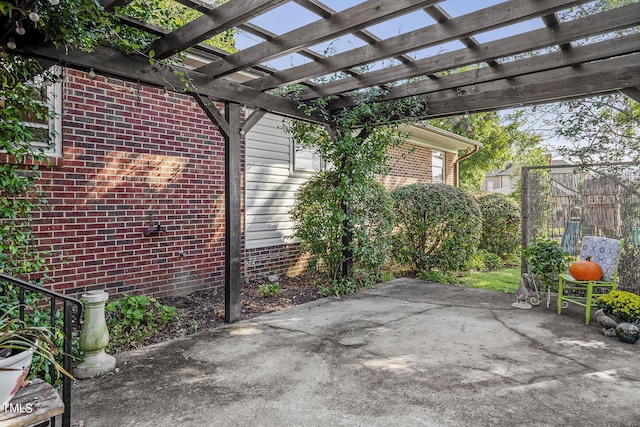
[[522, 294], [607, 323]]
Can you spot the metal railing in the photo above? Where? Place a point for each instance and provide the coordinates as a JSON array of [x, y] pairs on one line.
[[61, 309]]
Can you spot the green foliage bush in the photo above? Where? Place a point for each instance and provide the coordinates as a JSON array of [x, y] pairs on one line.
[[625, 305], [132, 318], [270, 289], [483, 260], [319, 218], [437, 227], [500, 224], [437, 276], [546, 260]]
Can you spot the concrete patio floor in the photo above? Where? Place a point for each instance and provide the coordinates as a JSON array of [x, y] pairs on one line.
[[404, 353]]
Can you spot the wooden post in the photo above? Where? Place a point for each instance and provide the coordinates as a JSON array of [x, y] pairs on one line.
[[524, 223], [347, 239], [232, 128], [233, 234]]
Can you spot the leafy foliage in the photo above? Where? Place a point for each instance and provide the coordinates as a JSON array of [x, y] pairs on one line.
[[23, 85], [501, 138], [483, 260], [437, 276], [270, 289], [342, 215], [601, 129], [134, 317], [437, 226], [625, 305], [500, 224], [19, 336], [319, 222], [37, 323], [169, 15], [77, 23], [546, 260]]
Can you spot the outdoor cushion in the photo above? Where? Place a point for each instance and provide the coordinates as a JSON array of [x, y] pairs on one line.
[[603, 251]]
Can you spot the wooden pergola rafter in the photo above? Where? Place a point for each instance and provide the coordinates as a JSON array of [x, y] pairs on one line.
[[559, 60]]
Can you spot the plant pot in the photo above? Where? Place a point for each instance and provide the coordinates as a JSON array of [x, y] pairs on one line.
[[13, 371]]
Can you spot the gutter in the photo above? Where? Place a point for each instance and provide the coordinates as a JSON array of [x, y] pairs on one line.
[[473, 151]]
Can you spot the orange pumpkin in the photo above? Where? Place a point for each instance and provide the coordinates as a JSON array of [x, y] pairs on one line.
[[585, 270]]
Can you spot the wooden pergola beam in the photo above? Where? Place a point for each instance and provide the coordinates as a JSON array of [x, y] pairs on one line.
[[618, 18], [110, 5], [465, 81], [214, 21], [352, 19], [433, 35], [550, 86], [136, 68], [632, 92]]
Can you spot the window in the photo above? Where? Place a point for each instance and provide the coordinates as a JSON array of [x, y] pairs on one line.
[[47, 132], [437, 166], [305, 159]]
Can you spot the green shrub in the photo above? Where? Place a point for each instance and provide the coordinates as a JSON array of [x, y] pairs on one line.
[[319, 220], [132, 318], [270, 289], [437, 276], [546, 260], [625, 305], [437, 227], [500, 225], [483, 260]]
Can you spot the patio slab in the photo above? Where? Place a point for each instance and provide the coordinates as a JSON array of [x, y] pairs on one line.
[[406, 352]]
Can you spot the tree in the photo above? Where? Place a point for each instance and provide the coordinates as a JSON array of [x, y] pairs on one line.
[[355, 146], [502, 142], [594, 130]]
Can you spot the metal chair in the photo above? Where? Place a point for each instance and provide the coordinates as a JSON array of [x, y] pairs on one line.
[[606, 253]]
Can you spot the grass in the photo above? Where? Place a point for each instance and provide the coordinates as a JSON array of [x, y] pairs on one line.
[[505, 280]]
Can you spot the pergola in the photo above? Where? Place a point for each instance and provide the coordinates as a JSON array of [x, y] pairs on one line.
[[561, 60]]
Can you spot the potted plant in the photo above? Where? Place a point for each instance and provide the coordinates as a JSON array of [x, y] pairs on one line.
[[545, 260], [18, 344]]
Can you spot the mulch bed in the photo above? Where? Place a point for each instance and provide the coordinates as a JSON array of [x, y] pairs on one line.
[[203, 310]]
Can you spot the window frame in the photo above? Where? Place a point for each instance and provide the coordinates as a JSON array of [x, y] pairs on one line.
[[442, 167], [294, 169], [53, 104], [53, 147]]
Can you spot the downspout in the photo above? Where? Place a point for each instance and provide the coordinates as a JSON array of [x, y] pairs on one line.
[[473, 151]]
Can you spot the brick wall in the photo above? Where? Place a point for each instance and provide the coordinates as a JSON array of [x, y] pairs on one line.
[[131, 152], [411, 163], [275, 260]]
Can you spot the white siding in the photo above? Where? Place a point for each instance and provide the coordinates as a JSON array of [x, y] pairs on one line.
[[269, 187]]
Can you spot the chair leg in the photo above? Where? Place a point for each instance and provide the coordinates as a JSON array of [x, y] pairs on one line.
[[560, 294], [588, 303]]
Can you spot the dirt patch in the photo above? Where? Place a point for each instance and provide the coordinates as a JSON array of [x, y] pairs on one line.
[[205, 309]]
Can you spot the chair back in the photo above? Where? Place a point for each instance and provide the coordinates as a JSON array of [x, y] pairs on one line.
[[603, 251]]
